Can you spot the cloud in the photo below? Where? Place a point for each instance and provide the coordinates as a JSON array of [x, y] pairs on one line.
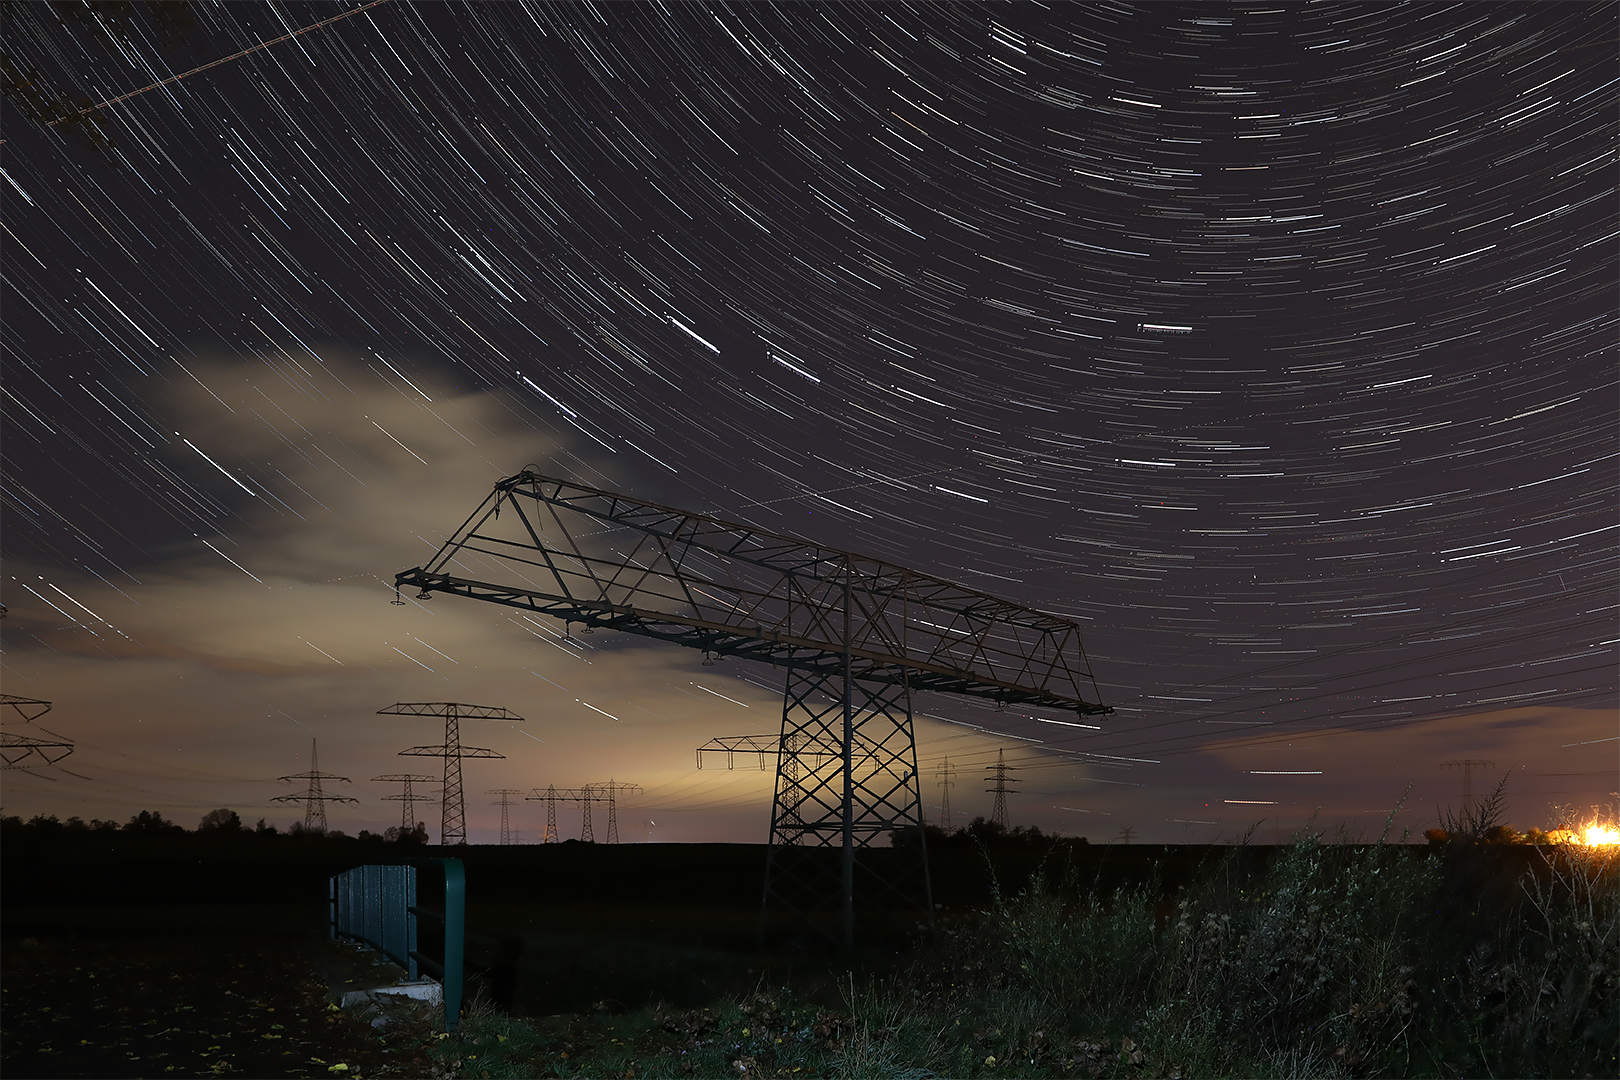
[[239, 645]]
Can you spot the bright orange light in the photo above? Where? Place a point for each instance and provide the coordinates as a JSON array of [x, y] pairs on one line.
[[1597, 835]]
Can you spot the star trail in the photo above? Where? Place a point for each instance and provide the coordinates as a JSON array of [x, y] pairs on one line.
[[1274, 343]]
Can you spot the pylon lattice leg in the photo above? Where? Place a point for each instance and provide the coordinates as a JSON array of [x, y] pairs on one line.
[[827, 792], [453, 821]]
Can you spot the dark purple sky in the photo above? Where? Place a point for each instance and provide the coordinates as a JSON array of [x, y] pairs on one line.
[[1275, 344]]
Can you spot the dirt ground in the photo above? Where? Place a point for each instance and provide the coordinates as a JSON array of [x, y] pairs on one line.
[[113, 1007]]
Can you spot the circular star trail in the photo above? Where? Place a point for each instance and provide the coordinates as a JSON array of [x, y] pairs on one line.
[[1273, 343]]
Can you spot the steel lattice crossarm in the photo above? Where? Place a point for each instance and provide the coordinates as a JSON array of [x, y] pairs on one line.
[[28, 708], [769, 746], [441, 708], [16, 750], [607, 560]]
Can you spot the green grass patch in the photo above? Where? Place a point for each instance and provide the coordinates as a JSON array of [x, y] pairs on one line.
[[1330, 960]]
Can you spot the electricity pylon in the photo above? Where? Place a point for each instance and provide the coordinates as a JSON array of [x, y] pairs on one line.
[[998, 772], [504, 804], [407, 820], [314, 799], [947, 780], [1468, 765], [855, 635], [453, 820], [614, 789], [550, 798], [586, 795], [16, 750]]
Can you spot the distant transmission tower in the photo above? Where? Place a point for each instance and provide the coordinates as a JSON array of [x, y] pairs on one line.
[[791, 751], [947, 780], [999, 771], [453, 821], [550, 798], [1468, 765], [586, 795], [614, 789], [504, 804], [407, 819], [314, 799]]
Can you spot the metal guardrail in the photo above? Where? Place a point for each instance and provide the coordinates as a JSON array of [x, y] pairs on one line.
[[376, 904]]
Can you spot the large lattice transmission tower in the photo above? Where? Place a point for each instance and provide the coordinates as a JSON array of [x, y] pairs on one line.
[[856, 637], [996, 775], [947, 780], [28, 751], [314, 799], [407, 797], [453, 818]]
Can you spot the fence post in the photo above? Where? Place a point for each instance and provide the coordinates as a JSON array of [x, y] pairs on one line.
[[455, 935]]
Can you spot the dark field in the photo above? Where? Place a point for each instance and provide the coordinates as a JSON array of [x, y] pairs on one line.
[[184, 955]]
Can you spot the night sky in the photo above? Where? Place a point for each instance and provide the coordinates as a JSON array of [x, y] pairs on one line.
[[1274, 343]]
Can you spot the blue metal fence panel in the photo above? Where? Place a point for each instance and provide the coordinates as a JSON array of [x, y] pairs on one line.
[[376, 904]]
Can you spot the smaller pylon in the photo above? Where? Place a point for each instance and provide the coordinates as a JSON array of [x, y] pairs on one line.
[[586, 795], [407, 818], [998, 773], [614, 789], [1468, 765], [505, 805], [550, 798], [314, 799], [947, 780]]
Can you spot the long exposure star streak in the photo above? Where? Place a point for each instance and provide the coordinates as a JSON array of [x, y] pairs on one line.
[[1272, 344]]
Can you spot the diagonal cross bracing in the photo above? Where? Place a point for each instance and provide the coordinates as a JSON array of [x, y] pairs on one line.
[[591, 556]]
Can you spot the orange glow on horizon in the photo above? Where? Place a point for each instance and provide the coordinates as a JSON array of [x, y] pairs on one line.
[[1596, 835]]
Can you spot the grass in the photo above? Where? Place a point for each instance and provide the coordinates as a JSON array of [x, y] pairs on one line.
[[1334, 960]]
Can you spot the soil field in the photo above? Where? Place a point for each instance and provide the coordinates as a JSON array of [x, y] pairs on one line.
[[184, 956], [185, 1005]]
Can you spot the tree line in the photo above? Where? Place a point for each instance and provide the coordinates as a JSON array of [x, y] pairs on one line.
[[223, 824]]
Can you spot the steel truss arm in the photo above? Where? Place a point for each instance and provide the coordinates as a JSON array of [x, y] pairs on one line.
[[606, 560]]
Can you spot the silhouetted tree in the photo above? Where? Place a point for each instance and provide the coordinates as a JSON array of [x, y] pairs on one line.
[[220, 821], [394, 834], [44, 826], [151, 822]]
